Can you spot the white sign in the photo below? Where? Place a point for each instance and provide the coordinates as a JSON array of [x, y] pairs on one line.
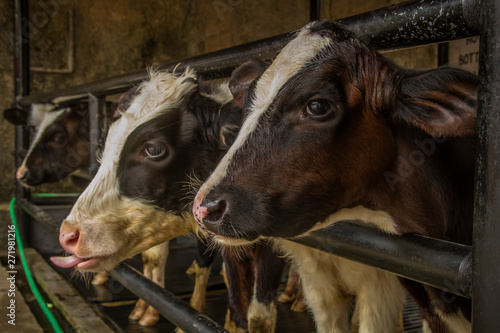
[[464, 53]]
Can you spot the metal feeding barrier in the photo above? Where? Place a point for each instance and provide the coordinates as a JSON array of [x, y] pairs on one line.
[[469, 271]]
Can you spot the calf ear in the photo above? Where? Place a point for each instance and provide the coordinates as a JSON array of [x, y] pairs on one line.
[[126, 99], [112, 112], [442, 101], [242, 77], [16, 116], [81, 109]]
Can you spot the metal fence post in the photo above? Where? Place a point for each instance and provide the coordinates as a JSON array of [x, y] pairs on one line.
[[97, 118], [21, 88], [486, 278]]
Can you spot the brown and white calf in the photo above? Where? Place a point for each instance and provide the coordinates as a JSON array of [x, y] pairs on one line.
[[60, 148], [337, 132], [173, 134]]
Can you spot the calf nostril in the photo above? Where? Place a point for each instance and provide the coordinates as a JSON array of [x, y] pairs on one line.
[[22, 174], [215, 211], [69, 240]]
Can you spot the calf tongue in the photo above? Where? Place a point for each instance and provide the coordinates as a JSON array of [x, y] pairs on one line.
[[66, 262]]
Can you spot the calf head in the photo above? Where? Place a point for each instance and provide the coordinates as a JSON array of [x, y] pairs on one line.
[[173, 132], [61, 141], [324, 126]]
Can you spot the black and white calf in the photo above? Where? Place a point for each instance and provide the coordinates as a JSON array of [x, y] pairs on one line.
[[61, 148], [337, 132], [172, 135]]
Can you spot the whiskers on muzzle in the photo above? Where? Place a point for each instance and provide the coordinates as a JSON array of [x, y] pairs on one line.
[[233, 248], [84, 276], [189, 189]]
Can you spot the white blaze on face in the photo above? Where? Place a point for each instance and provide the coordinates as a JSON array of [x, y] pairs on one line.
[[107, 221], [291, 59], [42, 117]]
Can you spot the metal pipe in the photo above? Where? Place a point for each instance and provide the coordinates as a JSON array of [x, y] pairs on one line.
[[21, 49], [40, 215], [315, 10], [396, 26], [442, 264], [416, 22], [21, 89], [171, 307], [443, 58], [96, 127], [220, 62], [486, 303], [44, 199], [435, 262]]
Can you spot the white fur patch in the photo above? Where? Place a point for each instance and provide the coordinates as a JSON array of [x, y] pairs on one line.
[[38, 111], [329, 281], [261, 317], [221, 93], [290, 60], [42, 117], [456, 322], [377, 218]]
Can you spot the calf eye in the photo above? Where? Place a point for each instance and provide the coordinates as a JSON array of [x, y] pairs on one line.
[[155, 150], [318, 107], [59, 138]]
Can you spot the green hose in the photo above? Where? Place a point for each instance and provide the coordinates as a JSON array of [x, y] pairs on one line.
[[49, 195], [29, 277]]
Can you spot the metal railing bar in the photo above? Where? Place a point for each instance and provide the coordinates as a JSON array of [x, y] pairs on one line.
[[21, 89], [44, 199], [416, 23], [438, 263], [166, 303], [315, 10], [40, 215], [486, 235], [392, 27], [97, 118]]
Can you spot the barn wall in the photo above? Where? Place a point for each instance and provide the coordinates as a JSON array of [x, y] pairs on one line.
[[6, 98], [116, 37]]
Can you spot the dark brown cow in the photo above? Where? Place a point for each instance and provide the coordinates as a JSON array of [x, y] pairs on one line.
[[173, 134], [337, 132]]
